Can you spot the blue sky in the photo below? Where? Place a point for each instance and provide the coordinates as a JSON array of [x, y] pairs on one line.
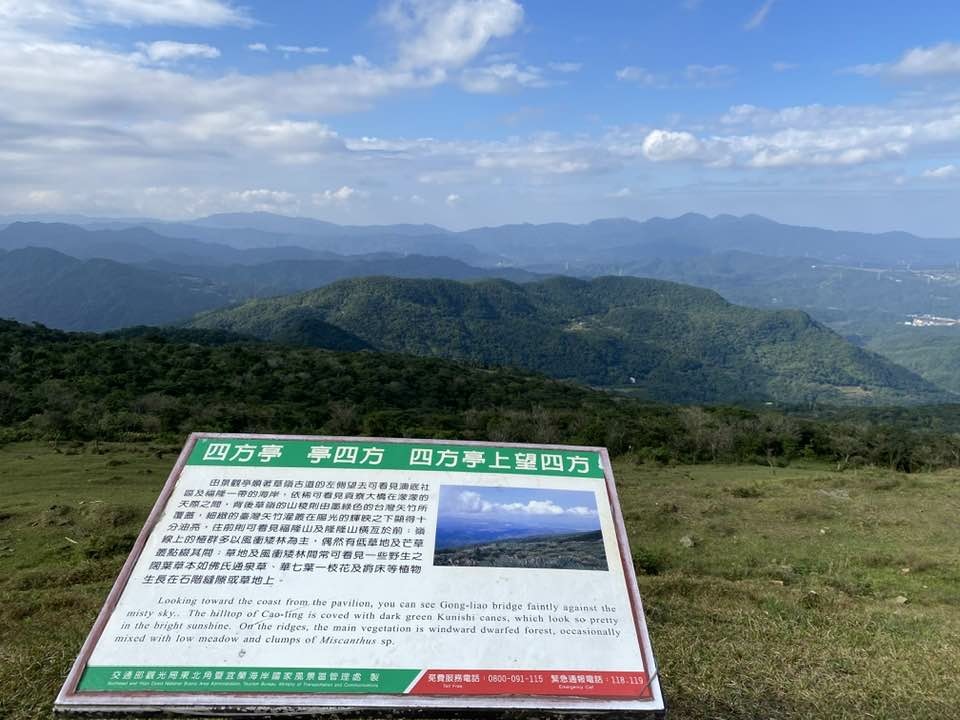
[[478, 112]]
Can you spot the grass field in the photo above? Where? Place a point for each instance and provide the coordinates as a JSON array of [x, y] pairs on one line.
[[770, 593]]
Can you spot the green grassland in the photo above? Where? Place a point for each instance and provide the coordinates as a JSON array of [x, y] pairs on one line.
[[795, 592]]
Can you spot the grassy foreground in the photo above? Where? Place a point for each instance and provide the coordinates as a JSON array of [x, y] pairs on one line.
[[770, 593]]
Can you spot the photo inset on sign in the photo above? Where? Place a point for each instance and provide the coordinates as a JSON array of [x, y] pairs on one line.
[[518, 528]]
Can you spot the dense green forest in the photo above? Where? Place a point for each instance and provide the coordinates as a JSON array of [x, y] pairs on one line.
[[659, 340], [148, 383], [932, 352]]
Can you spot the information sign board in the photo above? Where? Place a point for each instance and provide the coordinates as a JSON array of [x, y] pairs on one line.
[[312, 573]]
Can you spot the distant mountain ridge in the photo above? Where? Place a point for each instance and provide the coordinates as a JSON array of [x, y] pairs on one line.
[[558, 247], [39, 284], [864, 286], [660, 339], [45, 286]]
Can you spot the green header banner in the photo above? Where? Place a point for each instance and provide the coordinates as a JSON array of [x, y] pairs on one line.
[[244, 679], [258, 452]]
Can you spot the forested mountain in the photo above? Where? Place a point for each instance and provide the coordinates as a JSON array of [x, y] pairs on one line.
[[873, 308], [931, 352], [661, 340], [152, 383], [857, 284], [41, 285]]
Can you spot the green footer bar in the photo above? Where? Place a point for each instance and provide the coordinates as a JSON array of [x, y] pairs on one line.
[[244, 679]]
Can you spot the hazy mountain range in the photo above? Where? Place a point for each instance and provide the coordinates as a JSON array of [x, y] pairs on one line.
[[556, 246], [98, 274]]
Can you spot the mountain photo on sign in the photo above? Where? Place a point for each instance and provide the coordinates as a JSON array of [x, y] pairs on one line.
[[508, 527]]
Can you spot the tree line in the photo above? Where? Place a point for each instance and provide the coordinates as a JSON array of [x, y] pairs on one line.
[[149, 384]]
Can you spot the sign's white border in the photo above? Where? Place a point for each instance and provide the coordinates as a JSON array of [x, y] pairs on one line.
[[71, 701]]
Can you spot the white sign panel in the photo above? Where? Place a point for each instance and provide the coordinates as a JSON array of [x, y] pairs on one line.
[[337, 572]]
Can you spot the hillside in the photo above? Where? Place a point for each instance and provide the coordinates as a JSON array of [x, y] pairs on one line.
[[931, 352], [180, 278], [41, 285], [160, 383], [143, 382], [658, 339]]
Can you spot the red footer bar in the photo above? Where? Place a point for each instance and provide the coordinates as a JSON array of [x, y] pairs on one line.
[[581, 683]]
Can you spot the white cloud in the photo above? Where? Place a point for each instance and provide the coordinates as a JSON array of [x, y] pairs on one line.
[[308, 50], [81, 13], [943, 172], [536, 158], [340, 196], [258, 47], [452, 199], [167, 51], [472, 502], [666, 145], [93, 128], [819, 136], [866, 69], [781, 66], [262, 199], [201, 13], [449, 34], [500, 78], [708, 75], [919, 62], [38, 14], [641, 76], [47, 81], [698, 75], [942, 59], [533, 507], [623, 192], [760, 16], [43, 199], [565, 67]]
